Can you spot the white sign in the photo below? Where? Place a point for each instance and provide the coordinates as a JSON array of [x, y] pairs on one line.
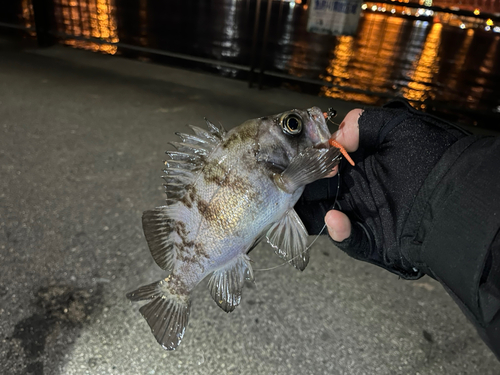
[[334, 17]]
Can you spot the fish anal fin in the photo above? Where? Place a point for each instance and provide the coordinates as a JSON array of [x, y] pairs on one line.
[[288, 237], [226, 284], [167, 314]]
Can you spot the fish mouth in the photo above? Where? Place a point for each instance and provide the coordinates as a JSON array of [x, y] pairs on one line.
[[319, 139], [315, 114]]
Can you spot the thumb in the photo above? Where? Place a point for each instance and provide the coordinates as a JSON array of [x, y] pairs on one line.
[[348, 133], [338, 224]]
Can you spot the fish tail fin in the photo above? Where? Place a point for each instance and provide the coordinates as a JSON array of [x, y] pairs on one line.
[[167, 314]]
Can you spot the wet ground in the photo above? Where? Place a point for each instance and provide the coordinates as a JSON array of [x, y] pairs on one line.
[[82, 138]]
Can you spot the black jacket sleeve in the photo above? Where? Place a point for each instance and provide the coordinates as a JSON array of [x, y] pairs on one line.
[[423, 198], [452, 232]]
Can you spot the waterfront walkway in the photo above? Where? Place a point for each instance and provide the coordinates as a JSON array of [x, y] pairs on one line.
[[82, 138]]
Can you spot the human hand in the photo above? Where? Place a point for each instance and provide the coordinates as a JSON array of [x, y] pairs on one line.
[[394, 149], [338, 224], [420, 199]]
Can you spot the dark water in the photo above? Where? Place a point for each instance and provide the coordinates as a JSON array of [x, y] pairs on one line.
[[432, 62]]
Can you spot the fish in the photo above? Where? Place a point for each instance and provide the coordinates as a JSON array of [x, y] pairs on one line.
[[226, 192]]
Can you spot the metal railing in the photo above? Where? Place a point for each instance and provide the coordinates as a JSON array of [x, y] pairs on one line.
[[93, 24], [44, 18]]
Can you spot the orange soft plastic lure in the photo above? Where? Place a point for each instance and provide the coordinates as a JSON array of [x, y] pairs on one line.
[[334, 143]]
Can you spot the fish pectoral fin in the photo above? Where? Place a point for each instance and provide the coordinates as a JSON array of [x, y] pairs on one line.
[[288, 237], [308, 166], [226, 283], [167, 314]]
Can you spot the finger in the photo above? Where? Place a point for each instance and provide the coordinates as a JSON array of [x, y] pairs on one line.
[[348, 133], [338, 224], [333, 172]]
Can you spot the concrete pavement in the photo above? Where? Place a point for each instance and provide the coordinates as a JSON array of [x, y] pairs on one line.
[[82, 139]]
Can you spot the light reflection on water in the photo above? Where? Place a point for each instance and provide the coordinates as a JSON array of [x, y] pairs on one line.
[[230, 33], [91, 19], [424, 70], [365, 62], [27, 15], [421, 60]]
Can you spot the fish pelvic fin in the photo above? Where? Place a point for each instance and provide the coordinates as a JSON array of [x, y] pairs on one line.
[[226, 284], [288, 237], [167, 313], [308, 166]]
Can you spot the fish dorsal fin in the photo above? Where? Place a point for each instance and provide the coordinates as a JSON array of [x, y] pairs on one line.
[[288, 237], [217, 131], [164, 226], [189, 158], [227, 282]]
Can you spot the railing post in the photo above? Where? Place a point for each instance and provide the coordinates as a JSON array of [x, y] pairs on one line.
[[264, 42], [44, 14], [254, 43]]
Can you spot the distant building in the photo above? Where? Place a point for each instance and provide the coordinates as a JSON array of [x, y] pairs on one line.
[[486, 6]]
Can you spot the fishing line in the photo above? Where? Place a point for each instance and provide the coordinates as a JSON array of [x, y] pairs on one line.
[[317, 236], [334, 123], [329, 115]]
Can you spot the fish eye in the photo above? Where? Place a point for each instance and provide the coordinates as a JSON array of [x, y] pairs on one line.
[[291, 124]]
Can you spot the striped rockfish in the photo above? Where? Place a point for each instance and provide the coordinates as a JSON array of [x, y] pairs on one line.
[[225, 193]]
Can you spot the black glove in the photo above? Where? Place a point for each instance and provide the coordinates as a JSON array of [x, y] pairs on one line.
[[398, 147]]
